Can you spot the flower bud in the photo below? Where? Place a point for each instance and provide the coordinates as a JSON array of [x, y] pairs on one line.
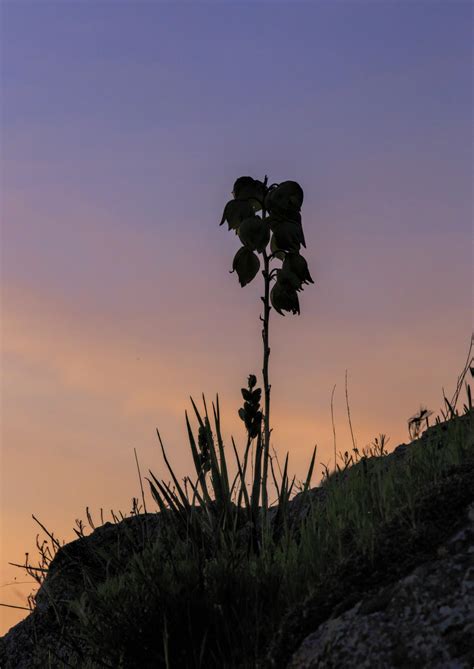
[[254, 233], [235, 212], [246, 264], [295, 263], [246, 188], [284, 299], [287, 236]]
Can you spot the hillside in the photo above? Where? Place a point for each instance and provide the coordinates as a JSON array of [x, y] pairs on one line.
[[391, 586]]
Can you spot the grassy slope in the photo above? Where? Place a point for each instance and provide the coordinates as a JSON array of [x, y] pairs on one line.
[[401, 546], [204, 599]]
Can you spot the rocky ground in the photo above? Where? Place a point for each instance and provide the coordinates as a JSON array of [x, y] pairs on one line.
[[415, 606]]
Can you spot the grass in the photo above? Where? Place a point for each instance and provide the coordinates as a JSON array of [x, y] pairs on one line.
[[213, 589]]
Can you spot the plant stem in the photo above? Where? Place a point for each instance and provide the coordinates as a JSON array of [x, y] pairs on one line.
[[266, 355]]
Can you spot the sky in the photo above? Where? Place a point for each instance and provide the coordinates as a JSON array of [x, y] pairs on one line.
[[124, 126]]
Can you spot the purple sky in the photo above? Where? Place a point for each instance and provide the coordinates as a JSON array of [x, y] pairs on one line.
[[124, 126]]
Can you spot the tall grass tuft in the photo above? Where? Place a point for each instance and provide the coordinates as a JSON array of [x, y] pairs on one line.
[[212, 587]]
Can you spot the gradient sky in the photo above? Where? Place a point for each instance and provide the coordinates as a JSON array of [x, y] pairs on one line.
[[124, 126]]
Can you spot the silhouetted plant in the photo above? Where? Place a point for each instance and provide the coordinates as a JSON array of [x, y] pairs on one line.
[[260, 215], [263, 215], [212, 587], [415, 423], [195, 595]]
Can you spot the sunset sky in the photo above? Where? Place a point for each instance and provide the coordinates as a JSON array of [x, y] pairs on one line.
[[124, 126]]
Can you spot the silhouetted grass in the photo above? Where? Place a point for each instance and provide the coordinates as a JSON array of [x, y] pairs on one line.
[[213, 588]]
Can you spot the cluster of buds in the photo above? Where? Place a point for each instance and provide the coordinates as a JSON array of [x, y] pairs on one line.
[[250, 412], [279, 225], [204, 453]]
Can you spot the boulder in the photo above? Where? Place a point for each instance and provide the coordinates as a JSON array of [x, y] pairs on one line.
[[425, 619], [38, 640], [416, 592]]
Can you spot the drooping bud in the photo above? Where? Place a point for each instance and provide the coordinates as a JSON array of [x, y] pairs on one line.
[[294, 262], [288, 280], [287, 236], [291, 193], [235, 212], [284, 299], [247, 188], [241, 186], [254, 233], [246, 264], [278, 253], [286, 198]]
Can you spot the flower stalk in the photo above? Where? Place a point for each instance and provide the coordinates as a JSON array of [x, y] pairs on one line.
[[266, 382], [268, 216]]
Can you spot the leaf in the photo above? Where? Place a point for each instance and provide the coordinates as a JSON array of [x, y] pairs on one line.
[[246, 264], [254, 233], [310, 471], [235, 212], [175, 480]]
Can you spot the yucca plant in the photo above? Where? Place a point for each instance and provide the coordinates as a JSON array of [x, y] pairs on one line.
[[224, 513], [262, 216]]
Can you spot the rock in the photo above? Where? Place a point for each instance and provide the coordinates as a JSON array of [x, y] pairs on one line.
[[105, 548], [362, 589], [63, 583], [425, 619]]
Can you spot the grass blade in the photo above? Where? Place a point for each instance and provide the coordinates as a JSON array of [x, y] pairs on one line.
[[184, 499], [243, 488], [310, 470], [223, 463]]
